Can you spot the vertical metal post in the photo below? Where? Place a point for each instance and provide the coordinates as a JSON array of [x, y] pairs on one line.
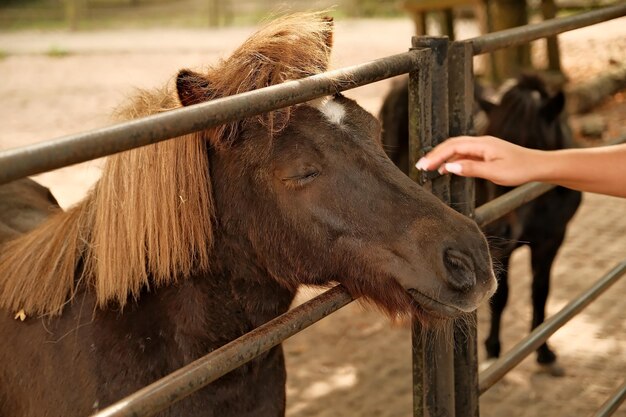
[[461, 99], [461, 103], [439, 102], [419, 138], [433, 360], [419, 112]]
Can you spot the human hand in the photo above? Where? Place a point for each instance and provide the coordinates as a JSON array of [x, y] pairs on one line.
[[486, 157]]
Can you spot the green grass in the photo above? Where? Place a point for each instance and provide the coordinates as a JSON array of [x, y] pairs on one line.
[[57, 52]]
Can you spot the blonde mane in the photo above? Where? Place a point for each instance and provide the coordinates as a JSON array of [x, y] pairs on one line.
[[149, 220]]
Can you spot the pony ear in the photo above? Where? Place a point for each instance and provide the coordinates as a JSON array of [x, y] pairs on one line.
[[486, 105], [192, 88], [554, 106]]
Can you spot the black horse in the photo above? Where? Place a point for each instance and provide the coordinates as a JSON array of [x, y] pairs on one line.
[[528, 116]]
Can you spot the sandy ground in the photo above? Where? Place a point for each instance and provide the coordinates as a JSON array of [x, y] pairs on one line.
[[354, 363]]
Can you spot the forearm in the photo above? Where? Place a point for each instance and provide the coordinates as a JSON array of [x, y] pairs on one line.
[[597, 170]]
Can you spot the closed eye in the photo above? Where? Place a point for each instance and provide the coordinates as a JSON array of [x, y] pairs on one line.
[[301, 180]]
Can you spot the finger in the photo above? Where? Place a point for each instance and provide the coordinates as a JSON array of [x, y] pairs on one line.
[[467, 168], [461, 147], [442, 168], [455, 167]]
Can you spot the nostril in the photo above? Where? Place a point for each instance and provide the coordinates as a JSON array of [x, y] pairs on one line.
[[460, 270]]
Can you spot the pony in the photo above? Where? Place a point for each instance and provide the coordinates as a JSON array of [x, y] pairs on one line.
[[185, 245], [529, 116], [34, 205]]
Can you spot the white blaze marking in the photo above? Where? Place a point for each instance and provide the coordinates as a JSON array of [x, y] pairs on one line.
[[333, 111]]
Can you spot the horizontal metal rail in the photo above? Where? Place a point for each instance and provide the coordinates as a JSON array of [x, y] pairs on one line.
[[68, 150], [612, 404], [34, 159], [73, 149], [508, 202], [531, 342], [523, 34], [185, 381]]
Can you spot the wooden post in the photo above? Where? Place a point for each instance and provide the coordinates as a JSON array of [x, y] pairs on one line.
[[214, 13], [506, 14], [73, 12], [548, 11], [448, 23]]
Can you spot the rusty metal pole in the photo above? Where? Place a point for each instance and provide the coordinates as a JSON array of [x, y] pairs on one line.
[[419, 138], [183, 382], [524, 34], [530, 343], [44, 156], [612, 404], [433, 357], [440, 185], [460, 102]]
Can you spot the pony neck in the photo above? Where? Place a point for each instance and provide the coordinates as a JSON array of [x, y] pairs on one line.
[[239, 280]]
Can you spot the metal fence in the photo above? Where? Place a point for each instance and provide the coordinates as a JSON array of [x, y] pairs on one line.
[[434, 64]]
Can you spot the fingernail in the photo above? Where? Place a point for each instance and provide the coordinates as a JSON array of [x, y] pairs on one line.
[[453, 167], [422, 164]]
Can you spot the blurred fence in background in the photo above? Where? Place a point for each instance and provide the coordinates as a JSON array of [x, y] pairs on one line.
[[88, 14], [99, 14]]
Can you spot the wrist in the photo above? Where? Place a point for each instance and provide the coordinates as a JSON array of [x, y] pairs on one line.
[[542, 166]]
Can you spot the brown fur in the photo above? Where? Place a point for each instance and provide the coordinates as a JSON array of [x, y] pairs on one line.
[[151, 213], [528, 116], [35, 204], [234, 219]]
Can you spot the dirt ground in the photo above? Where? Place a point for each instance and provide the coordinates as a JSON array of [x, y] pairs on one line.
[[354, 363]]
